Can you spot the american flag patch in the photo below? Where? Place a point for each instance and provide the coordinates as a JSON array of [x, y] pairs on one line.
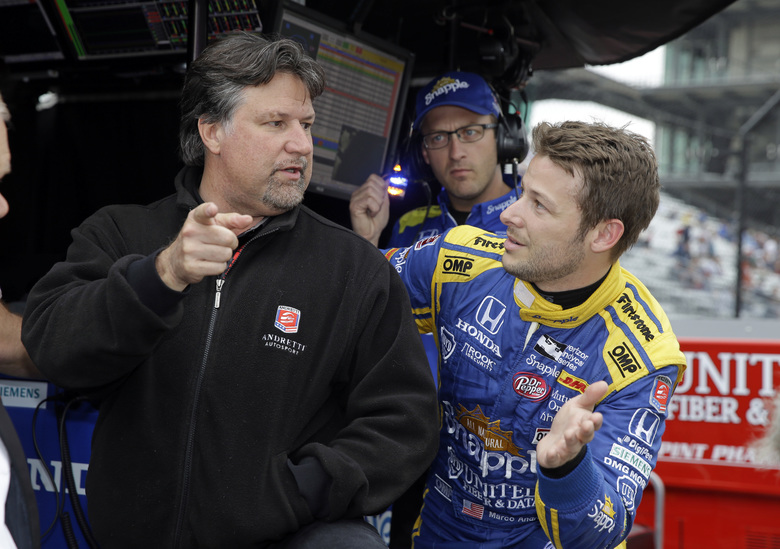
[[473, 509]]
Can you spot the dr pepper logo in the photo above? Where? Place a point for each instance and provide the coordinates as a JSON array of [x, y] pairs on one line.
[[530, 386], [287, 319]]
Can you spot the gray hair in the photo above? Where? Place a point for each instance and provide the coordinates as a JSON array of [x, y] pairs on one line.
[[215, 81]]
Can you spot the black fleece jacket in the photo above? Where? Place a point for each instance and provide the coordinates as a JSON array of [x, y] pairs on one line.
[[307, 362]]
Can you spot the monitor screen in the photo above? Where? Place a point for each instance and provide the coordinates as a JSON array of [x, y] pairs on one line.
[[99, 29], [358, 116], [26, 33]]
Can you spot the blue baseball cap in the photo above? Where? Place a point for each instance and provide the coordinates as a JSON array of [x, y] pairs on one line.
[[460, 89]]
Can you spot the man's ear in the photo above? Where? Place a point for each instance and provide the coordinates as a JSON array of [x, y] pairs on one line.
[[211, 134], [606, 235]]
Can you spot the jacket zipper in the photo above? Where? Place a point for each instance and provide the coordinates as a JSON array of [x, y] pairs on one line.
[[187, 479]]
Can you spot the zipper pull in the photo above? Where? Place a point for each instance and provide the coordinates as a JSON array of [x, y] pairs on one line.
[[220, 282]]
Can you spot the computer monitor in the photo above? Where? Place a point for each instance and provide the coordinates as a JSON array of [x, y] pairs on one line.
[[27, 33], [358, 117], [98, 30]]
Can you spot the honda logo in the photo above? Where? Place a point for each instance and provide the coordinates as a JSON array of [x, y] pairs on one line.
[[490, 314]]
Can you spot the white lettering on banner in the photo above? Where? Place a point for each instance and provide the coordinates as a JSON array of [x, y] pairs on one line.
[[717, 454], [683, 450], [702, 369], [38, 473], [704, 409]]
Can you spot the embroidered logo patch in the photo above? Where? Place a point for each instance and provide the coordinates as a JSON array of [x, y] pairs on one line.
[[662, 388], [287, 319]]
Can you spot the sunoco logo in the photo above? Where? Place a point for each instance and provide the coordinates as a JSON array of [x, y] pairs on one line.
[[457, 265], [530, 386]]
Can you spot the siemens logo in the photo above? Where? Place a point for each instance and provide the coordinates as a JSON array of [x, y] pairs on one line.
[[23, 394]]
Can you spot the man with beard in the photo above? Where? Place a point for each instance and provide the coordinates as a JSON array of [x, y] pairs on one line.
[[556, 364], [259, 378], [457, 124]]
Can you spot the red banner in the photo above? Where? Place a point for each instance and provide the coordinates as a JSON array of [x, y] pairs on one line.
[[717, 492]]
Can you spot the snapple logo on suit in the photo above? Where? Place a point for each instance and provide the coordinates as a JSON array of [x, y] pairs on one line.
[[287, 319]]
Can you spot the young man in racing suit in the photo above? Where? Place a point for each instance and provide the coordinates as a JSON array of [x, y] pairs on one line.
[[534, 330], [456, 117]]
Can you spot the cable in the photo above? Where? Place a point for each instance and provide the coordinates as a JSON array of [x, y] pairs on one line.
[[67, 471], [38, 452]]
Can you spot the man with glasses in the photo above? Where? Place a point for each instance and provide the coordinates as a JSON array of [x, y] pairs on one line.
[[457, 116]]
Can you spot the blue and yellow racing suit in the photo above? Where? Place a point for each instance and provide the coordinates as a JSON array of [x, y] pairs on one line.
[[508, 360], [415, 224]]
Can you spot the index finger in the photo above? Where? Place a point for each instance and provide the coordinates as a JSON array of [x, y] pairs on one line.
[[234, 221], [205, 213]]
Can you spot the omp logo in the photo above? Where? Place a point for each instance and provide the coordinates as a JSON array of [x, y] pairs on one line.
[[550, 348], [530, 386], [572, 382], [490, 314], [624, 359], [644, 425], [457, 265], [447, 343], [485, 243]]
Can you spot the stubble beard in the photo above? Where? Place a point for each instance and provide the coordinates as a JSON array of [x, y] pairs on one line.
[[544, 265], [282, 194]]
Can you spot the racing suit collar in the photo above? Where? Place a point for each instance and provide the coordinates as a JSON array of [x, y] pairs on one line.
[[534, 308]]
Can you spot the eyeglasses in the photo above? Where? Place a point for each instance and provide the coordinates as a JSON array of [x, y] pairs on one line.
[[467, 134]]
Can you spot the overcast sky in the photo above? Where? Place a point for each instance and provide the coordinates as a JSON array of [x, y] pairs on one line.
[[644, 71]]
